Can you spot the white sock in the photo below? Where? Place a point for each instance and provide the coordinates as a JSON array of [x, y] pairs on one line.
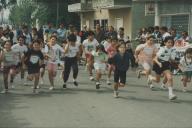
[[74, 80], [170, 90]]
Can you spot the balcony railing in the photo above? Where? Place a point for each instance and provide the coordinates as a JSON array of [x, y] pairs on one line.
[[80, 7]]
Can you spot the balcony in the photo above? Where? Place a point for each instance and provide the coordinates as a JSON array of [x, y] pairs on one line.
[[111, 4], [80, 7]]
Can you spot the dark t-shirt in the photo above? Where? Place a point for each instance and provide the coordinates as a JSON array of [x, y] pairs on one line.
[[32, 58]]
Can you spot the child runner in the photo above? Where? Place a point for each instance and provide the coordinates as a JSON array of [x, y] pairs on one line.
[[71, 59], [144, 55], [121, 63], [8, 58], [20, 48], [34, 59], [100, 59], [186, 67], [53, 59], [163, 58], [90, 45], [111, 51]]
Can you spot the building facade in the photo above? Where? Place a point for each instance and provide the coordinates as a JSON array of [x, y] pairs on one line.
[[170, 13], [104, 12], [135, 14]]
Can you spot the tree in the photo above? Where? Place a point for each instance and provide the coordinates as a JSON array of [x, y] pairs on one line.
[[27, 11], [3, 5], [21, 13]]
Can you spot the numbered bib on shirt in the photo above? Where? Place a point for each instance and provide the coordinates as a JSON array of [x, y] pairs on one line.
[[34, 59], [189, 67]]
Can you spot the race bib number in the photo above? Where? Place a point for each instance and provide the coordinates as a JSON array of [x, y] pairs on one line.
[[34, 59], [189, 67]]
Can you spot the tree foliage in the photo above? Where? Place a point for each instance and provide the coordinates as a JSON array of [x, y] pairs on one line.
[[21, 13], [54, 11]]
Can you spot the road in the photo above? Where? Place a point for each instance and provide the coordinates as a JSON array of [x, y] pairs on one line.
[[86, 107]]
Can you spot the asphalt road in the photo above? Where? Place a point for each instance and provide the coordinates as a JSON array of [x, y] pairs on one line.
[[86, 107]]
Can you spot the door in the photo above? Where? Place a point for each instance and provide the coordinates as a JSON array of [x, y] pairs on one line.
[[119, 23]]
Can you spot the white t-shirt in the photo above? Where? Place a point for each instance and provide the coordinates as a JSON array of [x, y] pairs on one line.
[[10, 58], [55, 52], [90, 46], [19, 50], [125, 38], [73, 50], [186, 64], [165, 54]]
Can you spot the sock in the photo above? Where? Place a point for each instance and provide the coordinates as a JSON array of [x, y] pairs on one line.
[[170, 90]]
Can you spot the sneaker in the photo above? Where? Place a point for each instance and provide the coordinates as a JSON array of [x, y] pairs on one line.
[[163, 87], [75, 83], [91, 78], [35, 91], [116, 94], [12, 86], [108, 82], [38, 87], [51, 88], [4, 91], [64, 86], [172, 97], [98, 85], [151, 86], [139, 74], [184, 89]]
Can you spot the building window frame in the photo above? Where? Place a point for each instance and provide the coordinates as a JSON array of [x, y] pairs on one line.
[[177, 14], [102, 22]]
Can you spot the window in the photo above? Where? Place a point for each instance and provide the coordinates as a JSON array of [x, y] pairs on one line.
[[149, 9], [96, 22], [179, 22], [89, 1], [104, 24]]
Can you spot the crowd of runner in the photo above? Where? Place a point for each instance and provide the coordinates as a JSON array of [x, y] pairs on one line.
[[160, 51]]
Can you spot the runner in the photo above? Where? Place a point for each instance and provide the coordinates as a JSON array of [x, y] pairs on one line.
[[121, 62], [53, 59], [163, 59], [100, 59], [144, 55], [34, 59], [90, 45], [71, 59], [186, 67], [8, 58], [111, 51], [20, 48]]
